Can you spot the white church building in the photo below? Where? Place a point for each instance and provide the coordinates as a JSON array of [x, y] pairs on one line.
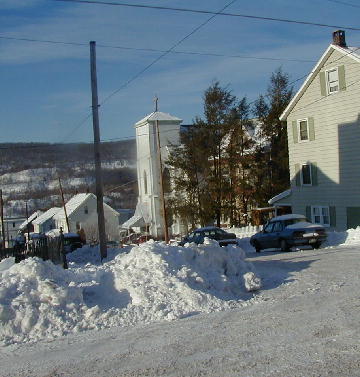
[[148, 215]]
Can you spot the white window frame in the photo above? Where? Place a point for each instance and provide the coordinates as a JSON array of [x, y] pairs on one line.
[[301, 175], [307, 129], [320, 215], [328, 82]]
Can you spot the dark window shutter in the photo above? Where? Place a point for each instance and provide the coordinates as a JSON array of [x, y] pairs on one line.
[[297, 175], [332, 211], [295, 131], [314, 180], [308, 213], [341, 73], [311, 128], [322, 83]]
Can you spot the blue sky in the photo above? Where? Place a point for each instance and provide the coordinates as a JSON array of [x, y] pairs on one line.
[[46, 91]]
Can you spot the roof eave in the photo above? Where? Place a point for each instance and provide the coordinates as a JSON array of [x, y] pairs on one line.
[[306, 83], [313, 73]]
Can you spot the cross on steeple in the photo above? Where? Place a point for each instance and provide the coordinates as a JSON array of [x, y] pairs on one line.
[[156, 99]]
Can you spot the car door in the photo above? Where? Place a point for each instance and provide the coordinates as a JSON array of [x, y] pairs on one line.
[[276, 233], [266, 236]]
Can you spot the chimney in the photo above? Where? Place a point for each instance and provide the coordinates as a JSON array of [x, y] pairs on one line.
[[339, 38]]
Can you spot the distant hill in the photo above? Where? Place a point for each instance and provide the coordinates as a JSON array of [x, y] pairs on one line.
[[29, 172]]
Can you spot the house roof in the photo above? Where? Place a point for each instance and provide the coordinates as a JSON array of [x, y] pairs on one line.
[[30, 219], [134, 221], [157, 115], [46, 215], [141, 217], [351, 52], [73, 204], [280, 196]]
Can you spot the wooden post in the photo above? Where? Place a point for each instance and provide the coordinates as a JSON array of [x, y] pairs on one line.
[[27, 226], [162, 197], [98, 176], [2, 220], [64, 206]]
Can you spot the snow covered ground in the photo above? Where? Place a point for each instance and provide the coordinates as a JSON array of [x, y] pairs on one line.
[[158, 310]]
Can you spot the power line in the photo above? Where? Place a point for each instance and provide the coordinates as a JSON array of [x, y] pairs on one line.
[[343, 3], [132, 137], [166, 53], [221, 13], [326, 96], [124, 184], [327, 64], [157, 59], [214, 54]]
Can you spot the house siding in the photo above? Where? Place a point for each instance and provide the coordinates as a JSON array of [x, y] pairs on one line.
[[336, 145]]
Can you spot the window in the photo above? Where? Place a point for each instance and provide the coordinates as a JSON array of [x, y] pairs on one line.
[[86, 210], [269, 228], [278, 226], [306, 175], [332, 81], [303, 130], [320, 215]]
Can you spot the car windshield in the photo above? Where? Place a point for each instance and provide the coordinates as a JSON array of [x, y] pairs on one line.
[[295, 221]]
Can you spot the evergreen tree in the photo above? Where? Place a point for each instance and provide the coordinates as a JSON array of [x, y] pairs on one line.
[[212, 164], [271, 158], [191, 202], [219, 106], [239, 159]]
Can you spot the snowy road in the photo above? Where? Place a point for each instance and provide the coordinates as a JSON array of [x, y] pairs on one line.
[[304, 323]]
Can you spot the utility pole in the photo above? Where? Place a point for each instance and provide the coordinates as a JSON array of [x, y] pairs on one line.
[[2, 220], [162, 196], [27, 224], [98, 176], [64, 206]]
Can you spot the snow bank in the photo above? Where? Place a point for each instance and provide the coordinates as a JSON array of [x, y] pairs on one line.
[[150, 282], [349, 237]]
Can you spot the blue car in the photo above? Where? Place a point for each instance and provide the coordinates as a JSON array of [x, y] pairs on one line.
[[287, 231], [198, 235]]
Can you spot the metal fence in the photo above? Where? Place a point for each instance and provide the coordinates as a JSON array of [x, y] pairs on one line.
[[46, 248]]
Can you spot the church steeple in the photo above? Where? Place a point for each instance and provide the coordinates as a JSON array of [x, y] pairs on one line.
[[149, 173]]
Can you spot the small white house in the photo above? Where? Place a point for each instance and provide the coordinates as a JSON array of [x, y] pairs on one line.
[[46, 222], [11, 229], [82, 214]]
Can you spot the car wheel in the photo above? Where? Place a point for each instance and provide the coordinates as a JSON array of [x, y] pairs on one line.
[[316, 245], [284, 246], [257, 247]]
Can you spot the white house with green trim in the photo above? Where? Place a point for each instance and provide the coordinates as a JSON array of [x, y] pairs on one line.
[[323, 125]]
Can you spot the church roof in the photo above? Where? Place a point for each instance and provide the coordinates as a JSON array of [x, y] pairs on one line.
[[157, 115]]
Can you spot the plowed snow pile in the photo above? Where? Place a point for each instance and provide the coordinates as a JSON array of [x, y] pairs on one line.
[[152, 282]]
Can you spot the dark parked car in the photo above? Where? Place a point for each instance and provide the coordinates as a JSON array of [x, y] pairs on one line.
[[287, 231], [72, 242], [197, 236]]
